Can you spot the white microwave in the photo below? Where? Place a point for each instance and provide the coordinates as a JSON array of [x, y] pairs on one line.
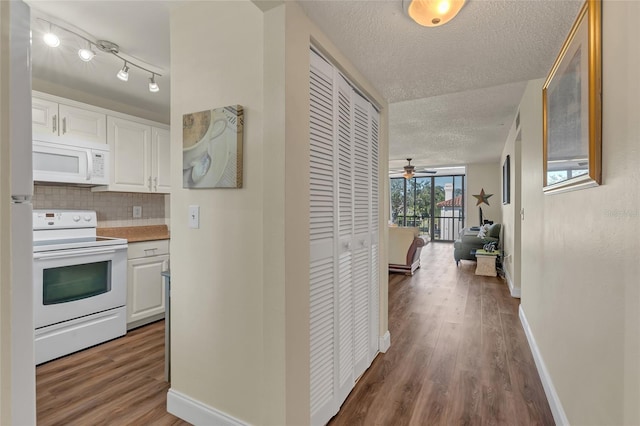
[[85, 164]]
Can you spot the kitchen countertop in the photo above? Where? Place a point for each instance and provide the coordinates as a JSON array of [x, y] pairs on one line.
[[135, 234]]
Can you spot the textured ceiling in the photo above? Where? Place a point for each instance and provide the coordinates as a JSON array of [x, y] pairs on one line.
[[453, 90]]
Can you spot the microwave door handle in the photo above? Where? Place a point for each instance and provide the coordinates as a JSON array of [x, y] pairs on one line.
[[89, 165]]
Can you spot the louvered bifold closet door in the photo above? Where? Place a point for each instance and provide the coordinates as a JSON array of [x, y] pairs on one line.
[[375, 199], [345, 367], [322, 280], [362, 239]]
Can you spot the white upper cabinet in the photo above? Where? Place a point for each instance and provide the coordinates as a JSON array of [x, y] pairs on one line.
[[161, 159], [57, 122], [140, 156]]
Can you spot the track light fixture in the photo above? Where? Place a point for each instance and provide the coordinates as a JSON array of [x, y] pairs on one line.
[[50, 39], [123, 74], [153, 86], [86, 54]]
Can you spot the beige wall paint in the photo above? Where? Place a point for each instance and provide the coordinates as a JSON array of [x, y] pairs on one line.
[[487, 176], [510, 239], [241, 334], [217, 270], [580, 271]]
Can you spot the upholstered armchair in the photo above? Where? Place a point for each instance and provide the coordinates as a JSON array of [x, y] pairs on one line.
[[405, 245], [468, 241]]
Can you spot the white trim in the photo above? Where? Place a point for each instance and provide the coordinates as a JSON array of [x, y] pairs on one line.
[[515, 291], [197, 413], [552, 396], [384, 342]]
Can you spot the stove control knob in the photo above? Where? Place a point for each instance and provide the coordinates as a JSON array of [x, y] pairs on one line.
[[87, 218], [76, 218]]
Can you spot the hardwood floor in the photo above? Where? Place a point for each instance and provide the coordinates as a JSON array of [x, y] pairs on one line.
[[458, 355], [120, 382]]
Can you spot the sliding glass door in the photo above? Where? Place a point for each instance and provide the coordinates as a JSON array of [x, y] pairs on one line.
[[435, 204]]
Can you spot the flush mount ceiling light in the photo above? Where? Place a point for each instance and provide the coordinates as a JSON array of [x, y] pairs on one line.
[[86, 54], [409, 170], [432, 13]]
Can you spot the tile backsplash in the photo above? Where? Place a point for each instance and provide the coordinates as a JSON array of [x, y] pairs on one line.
[[113, 208]]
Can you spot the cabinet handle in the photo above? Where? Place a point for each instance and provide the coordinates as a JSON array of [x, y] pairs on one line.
[[155, 184], [64, 125], [54, 119], [149, 183]]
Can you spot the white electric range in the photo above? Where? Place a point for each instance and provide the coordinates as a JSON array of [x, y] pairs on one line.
[[80, 283]]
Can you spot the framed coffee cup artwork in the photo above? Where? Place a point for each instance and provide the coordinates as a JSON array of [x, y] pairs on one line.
[[212, 148]]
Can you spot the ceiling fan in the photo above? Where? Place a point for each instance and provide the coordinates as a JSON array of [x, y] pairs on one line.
[[409, 171]]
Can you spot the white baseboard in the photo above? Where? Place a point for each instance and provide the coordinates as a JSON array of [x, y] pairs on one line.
[[515, 291], [197, 413], [384, 342], [552, 397]]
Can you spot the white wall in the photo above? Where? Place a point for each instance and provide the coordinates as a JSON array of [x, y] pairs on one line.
[[241, 298], [485, 176], [580, 273]]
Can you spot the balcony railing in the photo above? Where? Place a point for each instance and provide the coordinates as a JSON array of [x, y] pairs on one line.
[[444, 228]]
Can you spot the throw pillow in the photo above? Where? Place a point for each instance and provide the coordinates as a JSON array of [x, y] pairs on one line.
[[494, 231]]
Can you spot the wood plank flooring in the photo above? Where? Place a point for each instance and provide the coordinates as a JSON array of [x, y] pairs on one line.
[[120, 382], [458, 355]]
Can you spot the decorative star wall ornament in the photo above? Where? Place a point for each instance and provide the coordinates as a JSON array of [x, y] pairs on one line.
[[482, 197]]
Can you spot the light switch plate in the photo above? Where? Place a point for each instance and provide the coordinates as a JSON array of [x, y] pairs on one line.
[[137, 212], [194, 217]]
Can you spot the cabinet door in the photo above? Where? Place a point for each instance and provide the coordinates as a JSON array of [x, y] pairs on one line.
[[44, 115], [161, 160], [130, 144], [145, 295], [81, 125]]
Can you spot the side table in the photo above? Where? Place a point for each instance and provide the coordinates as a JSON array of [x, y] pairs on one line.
[[487, 262]]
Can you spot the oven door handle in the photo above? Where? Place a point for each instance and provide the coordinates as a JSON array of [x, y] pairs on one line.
[[61, 254]]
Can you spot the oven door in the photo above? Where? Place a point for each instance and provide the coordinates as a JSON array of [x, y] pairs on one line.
[[73, 283]]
